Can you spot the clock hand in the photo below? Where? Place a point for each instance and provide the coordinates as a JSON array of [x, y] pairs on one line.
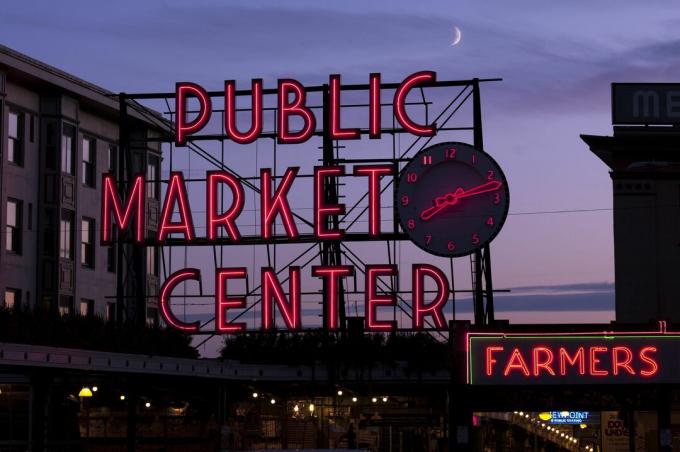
[[452, 198], [484, 188]]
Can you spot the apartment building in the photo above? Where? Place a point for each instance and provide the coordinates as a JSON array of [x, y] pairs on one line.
[[59, 134]]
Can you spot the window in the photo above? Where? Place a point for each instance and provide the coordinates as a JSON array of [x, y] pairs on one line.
[[66, 235], [65, 305], [152, 261], [110, 313], [15, 141], [153, 176], [13, 237], [12, 298], [87, 242], [112, 159], [68, 149], [86, 307], [49, 237], [151, 317], [111, 251], [89, 159]]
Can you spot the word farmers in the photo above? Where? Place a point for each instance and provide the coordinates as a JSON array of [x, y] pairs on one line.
[[292, 103], [425, 314]]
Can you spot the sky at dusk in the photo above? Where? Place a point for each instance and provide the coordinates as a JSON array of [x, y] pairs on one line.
[[557, 60]]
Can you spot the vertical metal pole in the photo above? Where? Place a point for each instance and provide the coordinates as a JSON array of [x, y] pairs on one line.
[[330, 251], [483, 280], [120, 167]]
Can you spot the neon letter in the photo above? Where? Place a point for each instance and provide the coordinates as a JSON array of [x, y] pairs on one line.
[[545, 364], [434, 309], [271, 288], [176, 193], [490, 360], [594, 361], [183, 128], [336, 132], [374, 106], [135, 202], [566, 359], [323, 210], [272, 206], [296, 108], [651, 362], [228, 218], [223, 303], [230, 112], [374, 174], [625, 363], [331, 274], [516, 361], [400, 103], [167, 288], [373, 300]]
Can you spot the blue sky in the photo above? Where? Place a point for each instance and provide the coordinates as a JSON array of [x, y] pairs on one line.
[[557, 60]]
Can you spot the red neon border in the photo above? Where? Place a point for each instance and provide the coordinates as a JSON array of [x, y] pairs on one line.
[[661, 333]]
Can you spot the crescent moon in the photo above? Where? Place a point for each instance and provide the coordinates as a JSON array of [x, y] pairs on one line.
[[457, 36]]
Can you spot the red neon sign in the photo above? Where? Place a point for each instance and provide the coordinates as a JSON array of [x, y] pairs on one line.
[[184, 128], [292, 102], [111, 200], [223, 303], [230, 112], [572, 358], [373, 300], [295, 108], [321, 209], [271, 206], [227, 219], [336, 132], [289, 303], [176, 194], [271, 289], [164, 300]]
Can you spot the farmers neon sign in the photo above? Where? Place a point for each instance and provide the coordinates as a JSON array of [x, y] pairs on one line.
[[575, 358]]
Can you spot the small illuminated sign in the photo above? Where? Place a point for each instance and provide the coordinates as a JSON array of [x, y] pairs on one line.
[[572, 358], [646, 103], [569, 417]]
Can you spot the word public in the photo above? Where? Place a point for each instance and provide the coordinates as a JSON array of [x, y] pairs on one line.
[[291, 102]]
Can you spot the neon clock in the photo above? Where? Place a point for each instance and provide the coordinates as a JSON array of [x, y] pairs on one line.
[[452, 199]]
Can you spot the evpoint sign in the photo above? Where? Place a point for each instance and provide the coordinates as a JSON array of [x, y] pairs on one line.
[[572, 358]]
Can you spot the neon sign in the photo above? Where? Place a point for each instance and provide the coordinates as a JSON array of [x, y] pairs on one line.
[[566, 417], [292, 102], [572, 358], [281, 291]]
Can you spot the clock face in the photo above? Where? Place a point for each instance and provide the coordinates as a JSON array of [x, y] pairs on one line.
[[452, 199]]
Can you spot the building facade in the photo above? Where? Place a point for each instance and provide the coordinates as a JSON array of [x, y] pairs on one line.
[[59, 135], [645, 171]]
